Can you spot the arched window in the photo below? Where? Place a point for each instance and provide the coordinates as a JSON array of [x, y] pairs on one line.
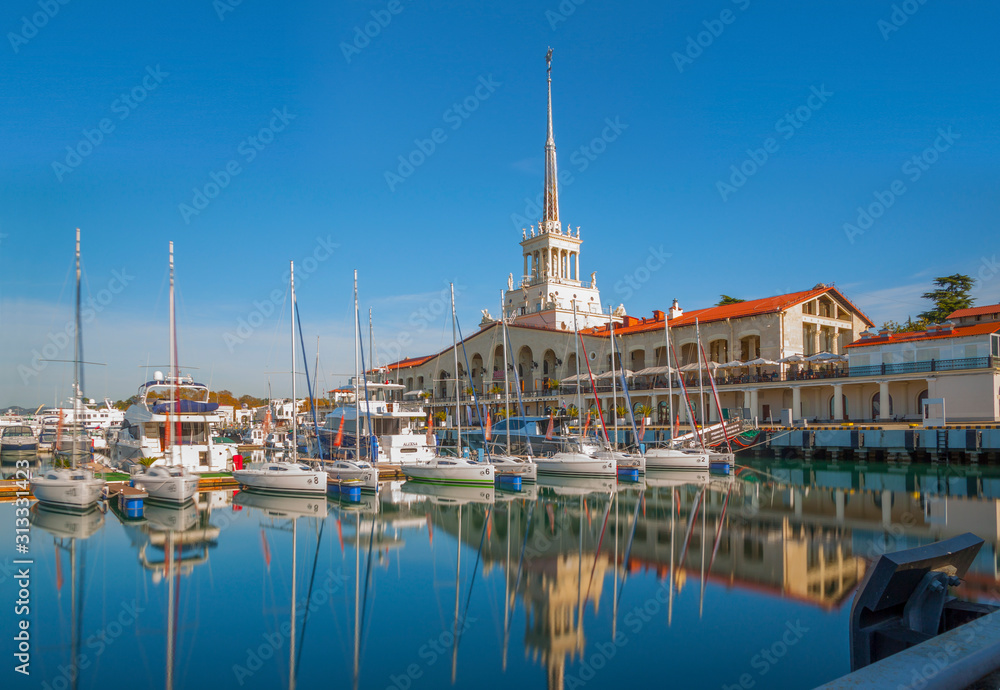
[[877, 405]]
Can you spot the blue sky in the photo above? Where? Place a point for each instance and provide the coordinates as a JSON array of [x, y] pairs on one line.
[[289, 118]]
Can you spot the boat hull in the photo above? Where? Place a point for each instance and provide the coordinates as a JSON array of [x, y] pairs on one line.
[[472, 474], [576, 465], [172, 489], [305, 483], [674, 459], [77, 494]]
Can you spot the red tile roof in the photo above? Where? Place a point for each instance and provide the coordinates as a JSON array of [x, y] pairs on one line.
[[956, 332], [975, 311], [755, 307]]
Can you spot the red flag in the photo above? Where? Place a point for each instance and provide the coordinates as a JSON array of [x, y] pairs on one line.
[[551, 429], [488, 433], [430, 429], [340, 434], [642, 431], [587, 425], [267, 421]]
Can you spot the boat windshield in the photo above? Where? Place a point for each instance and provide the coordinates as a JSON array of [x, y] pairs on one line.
[[160, 392]]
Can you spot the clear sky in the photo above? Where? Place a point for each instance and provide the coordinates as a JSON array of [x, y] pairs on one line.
[[743, 136]]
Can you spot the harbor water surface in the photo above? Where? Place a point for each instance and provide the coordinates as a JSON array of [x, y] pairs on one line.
[[682, 580]]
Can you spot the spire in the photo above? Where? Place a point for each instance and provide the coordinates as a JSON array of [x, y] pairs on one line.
[[551, 218]]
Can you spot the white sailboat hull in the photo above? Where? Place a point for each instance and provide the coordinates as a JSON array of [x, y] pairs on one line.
[[282, 481], [451, 471], [179, 489], [367, 475], [675, 459], [576, 465], [66, 492], [527, 470]]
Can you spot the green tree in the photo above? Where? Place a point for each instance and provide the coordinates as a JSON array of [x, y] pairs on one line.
[[909, 326], [726, 299], [952, 294]]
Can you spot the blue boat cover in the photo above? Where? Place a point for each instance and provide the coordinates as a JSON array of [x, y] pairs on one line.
[[185, 406]]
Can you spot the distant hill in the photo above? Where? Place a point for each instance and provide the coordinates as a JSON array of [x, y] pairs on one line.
[[16, 409]]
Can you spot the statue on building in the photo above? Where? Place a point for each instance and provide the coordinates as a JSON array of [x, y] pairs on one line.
[[593, 280], [510, 281], [486, 318], [524, 234], [620, 311]]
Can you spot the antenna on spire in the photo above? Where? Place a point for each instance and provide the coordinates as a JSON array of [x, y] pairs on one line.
[[548, 60]]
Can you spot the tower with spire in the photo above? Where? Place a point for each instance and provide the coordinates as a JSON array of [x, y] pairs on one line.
[[550, 282]]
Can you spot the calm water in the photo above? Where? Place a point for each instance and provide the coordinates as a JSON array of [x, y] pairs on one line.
[[687, 584]]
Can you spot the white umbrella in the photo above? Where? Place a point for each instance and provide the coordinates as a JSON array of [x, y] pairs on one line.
[[792, 359], [735, 364], [576, 378], [608, 375], [760, 361], [654, 371], [822, 357], [693, 366]]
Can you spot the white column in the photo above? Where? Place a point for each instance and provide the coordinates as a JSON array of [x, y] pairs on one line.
[[815, 338], [835, 346], [883, 398], [796, 403], [838, 402], [525, 266], [576, 256], [754, 409]]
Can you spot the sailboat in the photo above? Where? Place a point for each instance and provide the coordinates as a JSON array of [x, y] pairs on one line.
[[670, 457], [354, 467], [574, 460], [170, 481], [505, 463], [628, 463], [278, 476], [73, 487], [455, 469]]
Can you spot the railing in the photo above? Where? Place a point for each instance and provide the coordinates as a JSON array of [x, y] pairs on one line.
[[932, 365], [659, 382]]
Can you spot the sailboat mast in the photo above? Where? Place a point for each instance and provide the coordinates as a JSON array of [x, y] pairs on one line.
[[172, 362], [458, 412], [670, 380], [76, 357], [701, 375], [506, 385], [614, 385], [371, 340], [576, 359], [295, 441], [357, 389]]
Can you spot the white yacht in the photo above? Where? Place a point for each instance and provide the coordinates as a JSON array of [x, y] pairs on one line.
[[67, 487], [279, 476], [676, 459], [448, 470], [393, 423], [144, 431], [170, 483], [340, 469], [575, 462]]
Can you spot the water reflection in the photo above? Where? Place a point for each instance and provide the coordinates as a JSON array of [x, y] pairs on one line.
[[303, 591]]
